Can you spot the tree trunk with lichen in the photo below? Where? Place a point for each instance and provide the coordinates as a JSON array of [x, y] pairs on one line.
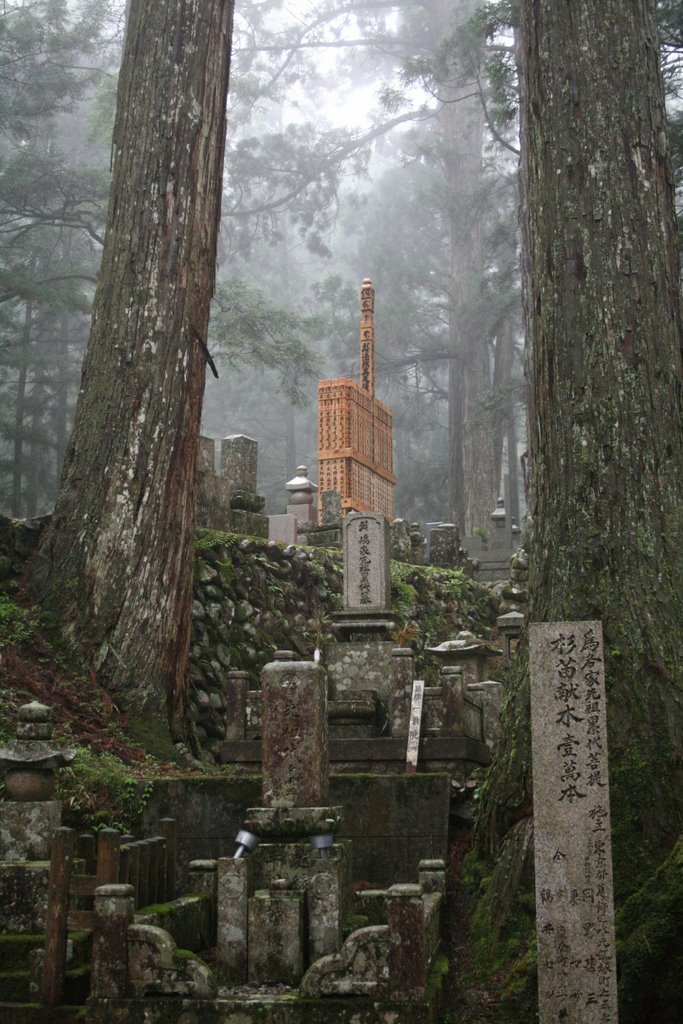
[[604, 362], [117, 559]]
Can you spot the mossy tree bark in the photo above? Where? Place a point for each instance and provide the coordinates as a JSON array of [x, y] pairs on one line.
[[117, 558], [604, 334]]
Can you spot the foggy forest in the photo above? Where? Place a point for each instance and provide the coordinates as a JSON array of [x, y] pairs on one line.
[[414, 754]]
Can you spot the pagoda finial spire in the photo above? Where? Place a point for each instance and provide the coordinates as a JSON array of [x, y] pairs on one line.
[[367, 336]]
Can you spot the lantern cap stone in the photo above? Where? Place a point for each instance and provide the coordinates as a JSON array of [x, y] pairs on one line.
[[300, 482]]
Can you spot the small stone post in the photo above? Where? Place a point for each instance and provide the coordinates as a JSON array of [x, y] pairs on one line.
[[510, 626], [234, 889], [402, 675], [325, 910], [113, 914], [453, 690], [202, 878], [407, 943], [432, 876], [235, 692]]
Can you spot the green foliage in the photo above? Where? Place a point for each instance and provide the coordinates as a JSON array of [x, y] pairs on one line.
[[17, 625], [99, 791], [650, 947], [207, 539], [248, 329]]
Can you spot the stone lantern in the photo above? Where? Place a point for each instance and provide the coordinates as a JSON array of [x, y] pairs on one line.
[[468, 652], [301, 496], [30, 762], [28, 818]]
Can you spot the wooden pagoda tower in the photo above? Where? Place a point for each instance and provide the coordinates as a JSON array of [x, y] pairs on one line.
[[355, 430]]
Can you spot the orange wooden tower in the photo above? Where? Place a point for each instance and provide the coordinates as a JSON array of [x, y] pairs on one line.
[[354, 430]]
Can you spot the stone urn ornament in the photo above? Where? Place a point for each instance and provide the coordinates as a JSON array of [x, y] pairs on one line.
[[30, 762]]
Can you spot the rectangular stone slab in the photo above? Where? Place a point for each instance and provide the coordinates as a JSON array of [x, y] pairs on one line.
[[295, 734], [367, 575], [572, 839]]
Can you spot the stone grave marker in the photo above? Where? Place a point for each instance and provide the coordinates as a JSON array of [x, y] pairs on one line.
[[573, 855], [295, 736], [239, 462], [367, 575]]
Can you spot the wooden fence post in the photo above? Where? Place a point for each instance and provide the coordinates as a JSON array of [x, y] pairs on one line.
[[63, 849]]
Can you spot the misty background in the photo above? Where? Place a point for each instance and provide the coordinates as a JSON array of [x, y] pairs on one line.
[[364, 139]]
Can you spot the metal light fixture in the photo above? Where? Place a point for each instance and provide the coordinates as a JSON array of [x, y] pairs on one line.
[[246, 843], [322, 843]]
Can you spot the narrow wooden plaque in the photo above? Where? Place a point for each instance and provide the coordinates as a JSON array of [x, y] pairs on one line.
[[415, 725]]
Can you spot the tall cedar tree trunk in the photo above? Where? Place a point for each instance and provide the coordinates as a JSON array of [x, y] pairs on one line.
[[472, 479], [603, 322], [117, 559]]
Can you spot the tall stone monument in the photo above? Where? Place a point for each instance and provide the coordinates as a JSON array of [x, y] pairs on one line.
[[573, 854]]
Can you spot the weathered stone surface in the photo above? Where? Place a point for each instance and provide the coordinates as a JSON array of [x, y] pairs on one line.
[[235, 887], [328, 885], [213, 502], [367, 577], [23, 896], [572, 839], [407, 942], [187, 919], [467, 652], [417, 544], [400, 541], [154, 967], [453, 689], [445, 545], [266, 1008], [432, 876], [295, 734], [293, 822], [25, 829], [490, 694], [331, 508], [276, 937], [239, 462], [360, 968], [402, 676], [235, 689], [357, 666], [283, 528], [113, 915]]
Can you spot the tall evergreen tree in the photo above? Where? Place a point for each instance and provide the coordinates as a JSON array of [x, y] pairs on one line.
[[602, 308], [117, 558]]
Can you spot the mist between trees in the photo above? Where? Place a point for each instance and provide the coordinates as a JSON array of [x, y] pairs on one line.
[[364, 139]]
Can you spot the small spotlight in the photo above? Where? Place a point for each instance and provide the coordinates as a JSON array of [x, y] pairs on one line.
[[322, 843], [246, 843]]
